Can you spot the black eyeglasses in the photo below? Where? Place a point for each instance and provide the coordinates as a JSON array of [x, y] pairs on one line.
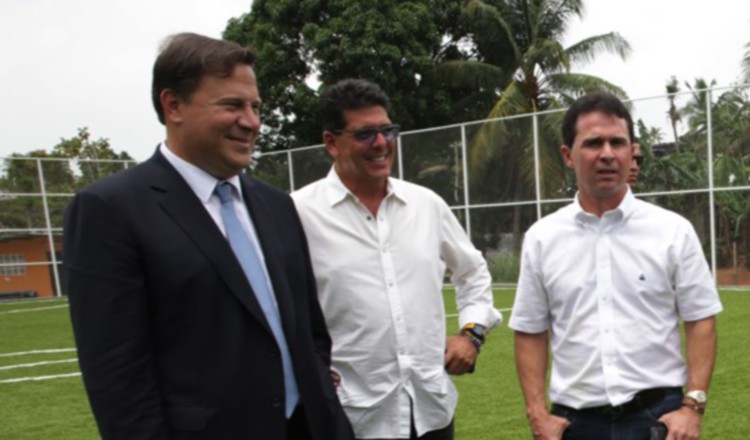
[[367, 135], [638, 160]]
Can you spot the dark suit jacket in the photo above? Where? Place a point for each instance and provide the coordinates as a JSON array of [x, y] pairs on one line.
[[171, 340]]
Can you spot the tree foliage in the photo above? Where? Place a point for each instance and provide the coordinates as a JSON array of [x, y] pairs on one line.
[[393, 43], [68, 166], [519, 56], [687, 168]]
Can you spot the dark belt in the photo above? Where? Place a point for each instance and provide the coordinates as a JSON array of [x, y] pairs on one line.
[[641, 400]]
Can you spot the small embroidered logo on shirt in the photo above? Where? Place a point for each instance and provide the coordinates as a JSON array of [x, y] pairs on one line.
[[642, 277]]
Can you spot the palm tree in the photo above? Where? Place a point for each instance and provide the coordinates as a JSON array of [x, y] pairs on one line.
[[518, 55], [523, 39]]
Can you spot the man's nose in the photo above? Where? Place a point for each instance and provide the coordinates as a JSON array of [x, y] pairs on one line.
[[607, 152], [249, 118]]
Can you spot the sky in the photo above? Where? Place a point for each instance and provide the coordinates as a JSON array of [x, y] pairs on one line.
[[87, 63]]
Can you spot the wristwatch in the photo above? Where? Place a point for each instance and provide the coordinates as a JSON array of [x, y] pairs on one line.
[[698, 396], [477, 330], [700, 399]]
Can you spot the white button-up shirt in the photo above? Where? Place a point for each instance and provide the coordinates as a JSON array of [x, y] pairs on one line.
[[612, 291], [380, 282]]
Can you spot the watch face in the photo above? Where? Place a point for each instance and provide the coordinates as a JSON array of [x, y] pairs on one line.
[[698, 396]]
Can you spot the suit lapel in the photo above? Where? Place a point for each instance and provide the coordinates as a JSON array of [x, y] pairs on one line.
[[186, 210], [271, 241]]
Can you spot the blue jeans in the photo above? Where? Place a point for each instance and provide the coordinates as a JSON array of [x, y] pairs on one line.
[[636, 425]]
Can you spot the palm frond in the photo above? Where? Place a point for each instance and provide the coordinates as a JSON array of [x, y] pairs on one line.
[[579, 84], [469, 74], [513, 101], [479, 10], [587, 49], [548, 54]]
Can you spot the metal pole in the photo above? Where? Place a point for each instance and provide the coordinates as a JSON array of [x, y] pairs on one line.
[[50, 238], [464, 167], [290, 166], [710, 158], [399, 156], [537, 177]]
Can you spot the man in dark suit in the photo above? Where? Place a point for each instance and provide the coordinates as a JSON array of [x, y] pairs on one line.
[[179, 335]]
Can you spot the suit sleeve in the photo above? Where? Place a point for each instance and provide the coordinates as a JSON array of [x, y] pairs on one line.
[[110, 313]]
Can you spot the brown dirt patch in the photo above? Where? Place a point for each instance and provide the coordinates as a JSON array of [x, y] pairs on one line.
[[727, 276]]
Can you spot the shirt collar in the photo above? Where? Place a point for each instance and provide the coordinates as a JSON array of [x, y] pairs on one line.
[[338, 192], [202, 183], [621, 212]]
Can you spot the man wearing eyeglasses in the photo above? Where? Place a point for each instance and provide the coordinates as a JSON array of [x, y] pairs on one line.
[[380, 248], [635, 166]]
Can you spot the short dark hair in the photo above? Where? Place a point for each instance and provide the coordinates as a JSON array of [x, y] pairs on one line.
[[603, 102], [185, 58], [349, 94]]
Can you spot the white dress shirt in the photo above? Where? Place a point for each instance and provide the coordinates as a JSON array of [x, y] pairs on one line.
[[612, 291], [204, 185], [380, 282]]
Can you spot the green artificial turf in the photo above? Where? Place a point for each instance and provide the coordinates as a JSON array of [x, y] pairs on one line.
[[490, 403]]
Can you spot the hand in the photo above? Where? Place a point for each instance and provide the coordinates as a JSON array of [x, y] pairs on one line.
[[460, 354], [548, 426], [683, 424], [335, 378]]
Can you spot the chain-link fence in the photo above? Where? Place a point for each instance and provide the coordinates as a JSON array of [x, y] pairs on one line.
[[499, 176]]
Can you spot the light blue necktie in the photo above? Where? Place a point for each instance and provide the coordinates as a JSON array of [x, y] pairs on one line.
[[246, 253]]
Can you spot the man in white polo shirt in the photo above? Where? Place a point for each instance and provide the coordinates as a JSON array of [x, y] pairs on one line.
[[604, 284]]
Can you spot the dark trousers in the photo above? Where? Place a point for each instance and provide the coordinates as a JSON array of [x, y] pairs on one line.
[[439, 434], [638, 424]]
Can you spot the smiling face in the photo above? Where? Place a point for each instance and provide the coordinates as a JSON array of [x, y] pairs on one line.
[[216, 129], [362, 165], [600, 156]]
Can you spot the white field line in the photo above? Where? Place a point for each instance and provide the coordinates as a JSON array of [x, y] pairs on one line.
[[36, 309], [37, 364], [24, 353], [455, 315], [27, 379]]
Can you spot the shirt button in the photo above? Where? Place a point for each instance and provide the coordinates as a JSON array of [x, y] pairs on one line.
[[276, 402]]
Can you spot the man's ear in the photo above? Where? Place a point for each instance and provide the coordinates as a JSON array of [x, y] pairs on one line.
[[567, 156], [172, 106], [330, 142]]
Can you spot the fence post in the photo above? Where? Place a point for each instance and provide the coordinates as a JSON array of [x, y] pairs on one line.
[[710, 165], [48, 223], [465, 168], [537, 177]]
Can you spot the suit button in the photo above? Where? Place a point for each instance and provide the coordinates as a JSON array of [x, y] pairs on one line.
[[276, 402], [273, 352]]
